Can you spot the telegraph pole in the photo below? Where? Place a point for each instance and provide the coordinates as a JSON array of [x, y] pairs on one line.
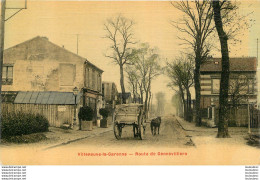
[[2, 36], [257, 49], [77, 44]]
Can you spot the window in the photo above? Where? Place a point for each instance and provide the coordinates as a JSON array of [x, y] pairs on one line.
[[87, 77], [67, 74], [215, 86], [251, 86], [7, 75], [99, 82], [93, 80]]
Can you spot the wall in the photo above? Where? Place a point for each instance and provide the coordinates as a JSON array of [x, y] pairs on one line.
[[39, 65]]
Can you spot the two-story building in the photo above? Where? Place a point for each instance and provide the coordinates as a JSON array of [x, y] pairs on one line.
[[242, 88], [39, 65]]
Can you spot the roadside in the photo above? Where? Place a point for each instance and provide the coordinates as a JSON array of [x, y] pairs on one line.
[[58, 136], [202, 136]]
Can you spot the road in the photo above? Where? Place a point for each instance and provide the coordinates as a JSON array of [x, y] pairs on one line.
[[171, 135]]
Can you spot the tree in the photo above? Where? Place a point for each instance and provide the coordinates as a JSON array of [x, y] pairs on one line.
[[180, 73], [199, 30], [177, 103], [134, 82], [145, 63], [196, 24], [224, 82], [120, 33]]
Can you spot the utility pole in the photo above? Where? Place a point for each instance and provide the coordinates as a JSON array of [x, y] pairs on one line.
[[77, 43], [257, 49], [2, 40], [2, 36]]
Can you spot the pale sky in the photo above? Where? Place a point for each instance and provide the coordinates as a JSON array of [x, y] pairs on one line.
[[61, 21]]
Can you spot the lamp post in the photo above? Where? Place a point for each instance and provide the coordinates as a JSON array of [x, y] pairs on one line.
[[75, 93]]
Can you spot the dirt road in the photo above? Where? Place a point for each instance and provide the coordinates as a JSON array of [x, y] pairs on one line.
[[171, 135]]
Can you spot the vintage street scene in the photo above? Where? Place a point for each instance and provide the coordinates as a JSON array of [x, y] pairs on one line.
[[129, 82]]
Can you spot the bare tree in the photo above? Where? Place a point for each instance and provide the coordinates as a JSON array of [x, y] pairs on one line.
[[199, 32], [196, 24], [145, 61], [177, 103], [180, 73], [228, 25], [120, 32], [224, 82], [133, 80]]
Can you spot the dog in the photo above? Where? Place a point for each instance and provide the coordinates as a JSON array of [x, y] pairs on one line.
[[155, 124]]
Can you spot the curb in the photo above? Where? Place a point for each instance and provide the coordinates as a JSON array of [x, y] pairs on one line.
[[77, 139], [193, 143], [183, 127]]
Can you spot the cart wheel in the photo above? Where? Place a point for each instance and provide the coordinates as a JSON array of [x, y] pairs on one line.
[[141, 129], [117, 130]]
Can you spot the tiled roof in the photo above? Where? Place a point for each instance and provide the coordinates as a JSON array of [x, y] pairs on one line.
[[46, 97], [236, 64]]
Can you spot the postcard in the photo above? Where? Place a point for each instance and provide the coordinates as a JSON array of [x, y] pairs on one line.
[[129, 82]]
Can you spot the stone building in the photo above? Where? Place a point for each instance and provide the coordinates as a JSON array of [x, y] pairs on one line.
[[40, 65]]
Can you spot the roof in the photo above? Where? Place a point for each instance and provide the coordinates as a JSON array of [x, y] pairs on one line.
[[8, 96], [46, 97], [45, 39], [236, 64]]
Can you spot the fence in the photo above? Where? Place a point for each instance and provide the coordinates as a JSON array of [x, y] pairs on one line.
[[254, 118], [56, 114], [237, 116]]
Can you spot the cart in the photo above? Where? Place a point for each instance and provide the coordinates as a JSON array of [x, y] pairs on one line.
[[129, 115]]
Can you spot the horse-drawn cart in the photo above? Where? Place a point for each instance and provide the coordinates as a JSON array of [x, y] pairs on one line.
[[129, 115]]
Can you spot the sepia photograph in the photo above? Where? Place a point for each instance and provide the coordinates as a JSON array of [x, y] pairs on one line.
[[129, 82]]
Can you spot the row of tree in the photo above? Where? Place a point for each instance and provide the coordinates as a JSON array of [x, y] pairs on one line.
[[198, 34], [201, 24], [138, 60]]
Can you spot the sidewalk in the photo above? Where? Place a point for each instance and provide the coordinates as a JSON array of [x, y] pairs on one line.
[[204, 136], [58, 137]]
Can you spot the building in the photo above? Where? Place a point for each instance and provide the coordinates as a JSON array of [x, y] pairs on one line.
[[57, 107], [109, 91], [39, 65], [242, 88]]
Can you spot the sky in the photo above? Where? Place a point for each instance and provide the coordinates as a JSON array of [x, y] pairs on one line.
[[61, 21]]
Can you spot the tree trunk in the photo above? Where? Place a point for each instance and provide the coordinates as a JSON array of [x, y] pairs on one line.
[[189, 110], [146, 103], [134, 94], [122, 84], [224, 82], [184, 103], [197, 90]]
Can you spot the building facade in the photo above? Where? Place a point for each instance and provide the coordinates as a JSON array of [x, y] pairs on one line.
[[110, 92], [242, 88], [40, 65]]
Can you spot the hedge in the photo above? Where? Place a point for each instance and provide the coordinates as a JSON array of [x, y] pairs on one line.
[[15, 124]]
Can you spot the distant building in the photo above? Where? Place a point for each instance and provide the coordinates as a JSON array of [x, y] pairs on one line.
[[40, 65], [109, 91], [242, 76]]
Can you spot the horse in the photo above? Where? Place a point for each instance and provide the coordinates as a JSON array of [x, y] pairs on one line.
[[155, 124]]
